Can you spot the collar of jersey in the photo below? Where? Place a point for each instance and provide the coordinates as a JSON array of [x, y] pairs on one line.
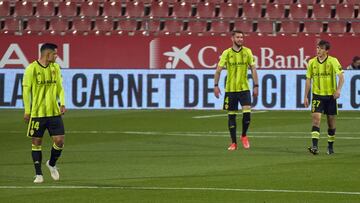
[[42, 65], [237, 51], [323, 60]]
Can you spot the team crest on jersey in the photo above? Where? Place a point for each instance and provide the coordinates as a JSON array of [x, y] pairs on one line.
[[31, 132]]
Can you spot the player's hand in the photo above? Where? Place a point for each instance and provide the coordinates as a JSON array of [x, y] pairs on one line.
[[62, 109], [306, 102], [255, 91], [26, 117], [217, 91], [336, 94]]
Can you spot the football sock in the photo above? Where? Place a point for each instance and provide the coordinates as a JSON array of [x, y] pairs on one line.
[[232, 127], [315, 135], [331, 137], [245, 122], [37, 158], [55, 154]]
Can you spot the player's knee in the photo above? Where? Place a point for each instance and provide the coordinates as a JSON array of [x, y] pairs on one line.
[[232, 120], [59, 145], [331, 132]]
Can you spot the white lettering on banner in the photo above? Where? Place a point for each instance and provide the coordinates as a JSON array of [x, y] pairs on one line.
[[178, 55], [201, 57], [172, 89], [20, 60], [64, 62]]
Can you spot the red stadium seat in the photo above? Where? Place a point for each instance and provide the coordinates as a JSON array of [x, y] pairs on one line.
[[330, 2], [58, 26], [134, 9], [45, 9], [307, 2], [220, 27], [352, 2], [337, 28], [170, 1], [251, 11], [228, 11], [159, 9], [313, 27], [245, 26], [81, 26], [265, 27], [181, 10], [321, 11], [4, 8], [67, 9], [112, 9], [197, 27], [151, 26], [89, 9], [345, 11], [23, 9], [205, 10], [259, 1], [275, 11], [287, 2], [104, 26], [128, 26], [35, 26], [12, 26], [290, 27], [173, 26], [355, 27], [237, 2], [298, 11], [191, 1], [215, 1]]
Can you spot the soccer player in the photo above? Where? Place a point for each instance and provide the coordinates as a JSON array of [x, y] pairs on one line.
[[237, 59], [42, 90], [322, 71]]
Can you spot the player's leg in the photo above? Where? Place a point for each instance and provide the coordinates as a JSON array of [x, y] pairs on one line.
[[57, 132], [331, 112], [231, 105], [316, 108], [245, 100], [36, 130]]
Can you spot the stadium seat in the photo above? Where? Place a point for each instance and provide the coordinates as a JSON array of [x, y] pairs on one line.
[[45, 9], [337, 27], [215, 1], [89, 9], [197, 27], [150, 27], [12, 26], [306, 2], [251, 11], [345, 11], [170, 1], [191, 1], [128, 26], [134, 9], [313, 27], [298, 11], [321, 11], [104, 26], [81, 26], [228, 11], [259, 1], [181, 10], [289, 27], [67, 9], [265, 27], [220, 27], [352, 2], [159, 9], [173, 27], [112, 9], [4, 8], [23, 9], [205, 10], [58, 26], [286, 2], [237, 2], [355, 27], [245, 26], [35, 26], [275, 11], [330, 2]]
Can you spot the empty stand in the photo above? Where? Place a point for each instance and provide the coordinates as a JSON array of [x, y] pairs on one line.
[[112, 9], [345, 11], [313, 27], [352, 2], [181, 10], [220, 27], [228, 11], [321, 11], [128, 26], [159, 9], [306, 2], [298, 11], [173, 26], [197, 27], [67, 9], [337, 28], [35, 25], [45, 9], [12, 26], [89, 9], [81, 26], [245, 26], [251, 11], [355, 27], [287, 2], [4, 8], [330, 2], [58, 26], [265, 27], [104, 26], [134, 9], [205, 10], [23, 8], [275, 11], [290, 27]]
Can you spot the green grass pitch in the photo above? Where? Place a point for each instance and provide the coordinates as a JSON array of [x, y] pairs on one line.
[[166, 156]]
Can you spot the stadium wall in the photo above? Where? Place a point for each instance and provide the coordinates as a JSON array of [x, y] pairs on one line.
[[171, 89]]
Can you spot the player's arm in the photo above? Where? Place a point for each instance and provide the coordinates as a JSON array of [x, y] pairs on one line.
[[307, 85], [217, 91], [27, 81], [255, 79], [339, 86], [60, 92]]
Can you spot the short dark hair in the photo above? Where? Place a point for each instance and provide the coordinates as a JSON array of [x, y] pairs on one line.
[[324, 44], [237, 31], [47, 46], [356, 58]]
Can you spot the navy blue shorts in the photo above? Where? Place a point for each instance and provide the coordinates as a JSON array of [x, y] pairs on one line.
[[37, 126], [232, 100]]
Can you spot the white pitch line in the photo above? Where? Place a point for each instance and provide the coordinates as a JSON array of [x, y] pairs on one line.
[[222, 115], [182, 188]]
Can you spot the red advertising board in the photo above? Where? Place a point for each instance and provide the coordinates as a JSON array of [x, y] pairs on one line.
[[169, 52]]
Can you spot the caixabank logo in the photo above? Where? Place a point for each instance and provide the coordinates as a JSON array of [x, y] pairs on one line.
[[167, 54]]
